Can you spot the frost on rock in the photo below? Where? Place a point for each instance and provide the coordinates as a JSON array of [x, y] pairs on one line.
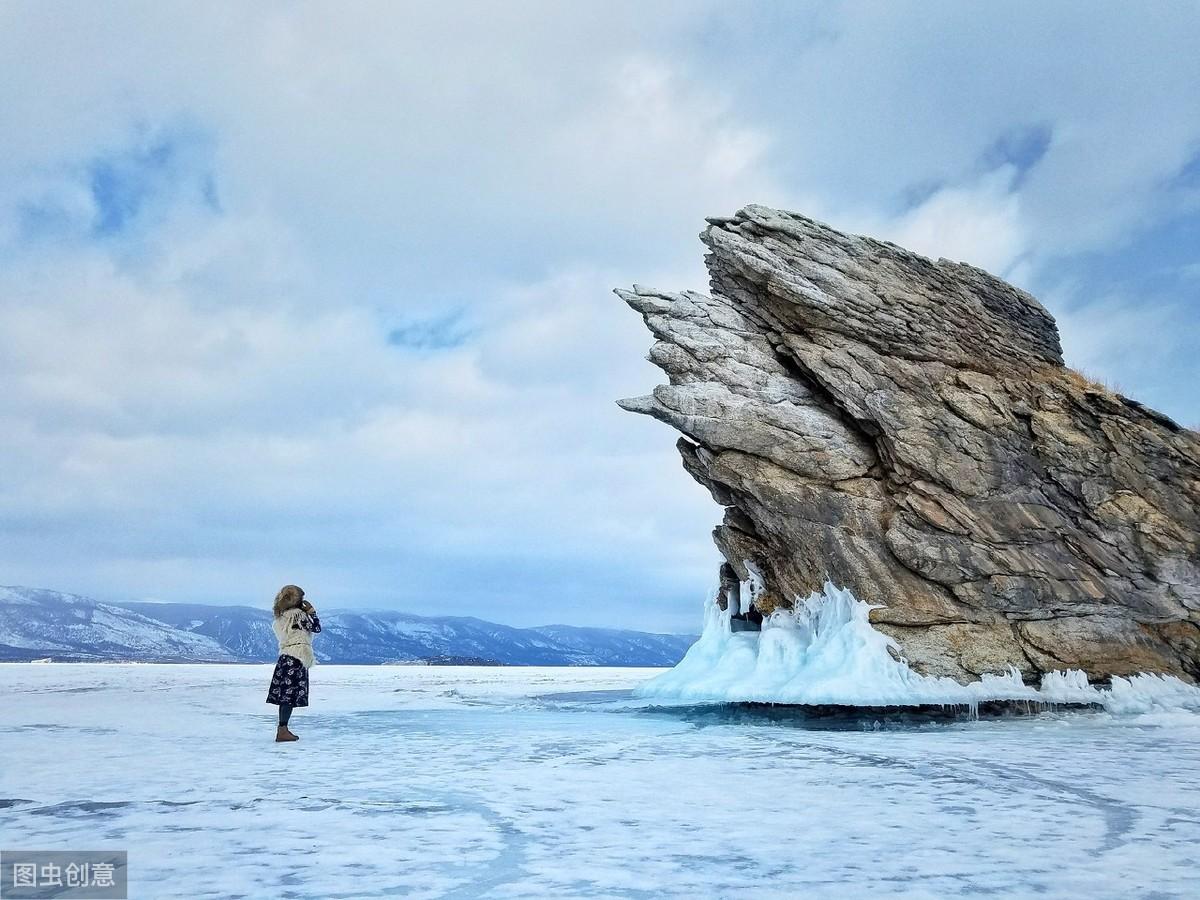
[[825, 652]]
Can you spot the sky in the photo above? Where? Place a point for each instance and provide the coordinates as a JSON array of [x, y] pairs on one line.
[[321, 293]]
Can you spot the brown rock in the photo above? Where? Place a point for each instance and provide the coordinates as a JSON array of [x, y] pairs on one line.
[[906, 428]]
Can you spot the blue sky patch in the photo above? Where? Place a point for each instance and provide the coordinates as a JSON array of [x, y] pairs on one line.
[[1022, 148], [440, 333], [130, 184]]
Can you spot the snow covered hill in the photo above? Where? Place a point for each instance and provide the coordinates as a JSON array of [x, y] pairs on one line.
[[38, 623]]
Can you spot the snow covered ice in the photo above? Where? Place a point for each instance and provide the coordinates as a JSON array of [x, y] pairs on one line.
[[513, 782]]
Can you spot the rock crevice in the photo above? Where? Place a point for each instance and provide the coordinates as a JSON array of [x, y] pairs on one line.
[[907, 429]]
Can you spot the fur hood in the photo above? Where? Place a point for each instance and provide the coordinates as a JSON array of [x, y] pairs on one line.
[[294, 629]]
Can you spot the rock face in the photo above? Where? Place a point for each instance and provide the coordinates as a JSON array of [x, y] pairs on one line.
[[907, 429]]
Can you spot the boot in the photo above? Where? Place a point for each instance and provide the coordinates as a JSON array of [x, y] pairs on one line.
[[282, 734]]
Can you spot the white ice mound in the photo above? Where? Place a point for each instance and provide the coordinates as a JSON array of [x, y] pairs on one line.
[[825, 652]]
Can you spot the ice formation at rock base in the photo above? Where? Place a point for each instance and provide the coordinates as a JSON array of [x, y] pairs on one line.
[[825, 652]]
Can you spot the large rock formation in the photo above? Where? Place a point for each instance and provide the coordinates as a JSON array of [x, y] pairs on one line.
[[906, 428]]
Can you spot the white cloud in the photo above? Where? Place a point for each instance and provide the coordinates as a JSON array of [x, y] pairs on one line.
[[170, 437], [207, 403], [978, 222]]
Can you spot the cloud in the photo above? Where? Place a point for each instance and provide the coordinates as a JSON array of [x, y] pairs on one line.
[[289, 295], [187, 442], [978, 222]]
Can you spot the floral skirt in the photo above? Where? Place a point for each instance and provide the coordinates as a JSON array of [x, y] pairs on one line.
[[289, 683]]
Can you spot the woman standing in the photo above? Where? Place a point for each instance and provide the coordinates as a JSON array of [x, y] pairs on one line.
[[295, 623]]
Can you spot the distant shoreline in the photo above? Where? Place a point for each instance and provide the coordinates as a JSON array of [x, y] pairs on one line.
[[320, 665]]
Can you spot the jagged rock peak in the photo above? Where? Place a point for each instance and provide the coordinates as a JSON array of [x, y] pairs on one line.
[[898, 302], [907, 428]]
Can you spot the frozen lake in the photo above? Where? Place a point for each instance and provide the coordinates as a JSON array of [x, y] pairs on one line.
[[488, 782]]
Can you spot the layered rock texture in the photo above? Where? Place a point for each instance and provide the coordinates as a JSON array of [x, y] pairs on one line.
[[907, 429]]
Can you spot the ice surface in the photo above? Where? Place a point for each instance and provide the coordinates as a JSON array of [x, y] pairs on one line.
[[827, 652], [506, 782]]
